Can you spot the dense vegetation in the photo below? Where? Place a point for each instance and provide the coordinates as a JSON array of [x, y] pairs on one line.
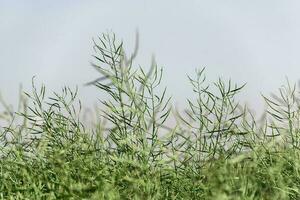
[[215, 150]]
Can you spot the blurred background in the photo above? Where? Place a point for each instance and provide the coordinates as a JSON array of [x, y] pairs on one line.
[[254, 42]]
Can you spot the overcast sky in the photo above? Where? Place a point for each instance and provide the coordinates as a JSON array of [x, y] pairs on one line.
[[255, 41]]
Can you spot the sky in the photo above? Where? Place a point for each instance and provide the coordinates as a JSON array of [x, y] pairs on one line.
[[254, 42]]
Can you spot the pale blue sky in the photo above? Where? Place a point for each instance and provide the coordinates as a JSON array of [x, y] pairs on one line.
[[255, 41]]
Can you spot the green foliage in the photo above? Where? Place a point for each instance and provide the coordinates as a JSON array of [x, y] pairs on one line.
[[216, 150]]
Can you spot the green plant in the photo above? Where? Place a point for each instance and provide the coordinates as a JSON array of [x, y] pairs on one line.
[[135, 109], [216, 150]]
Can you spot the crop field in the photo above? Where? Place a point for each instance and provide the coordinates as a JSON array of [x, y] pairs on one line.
[[215, 149]]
